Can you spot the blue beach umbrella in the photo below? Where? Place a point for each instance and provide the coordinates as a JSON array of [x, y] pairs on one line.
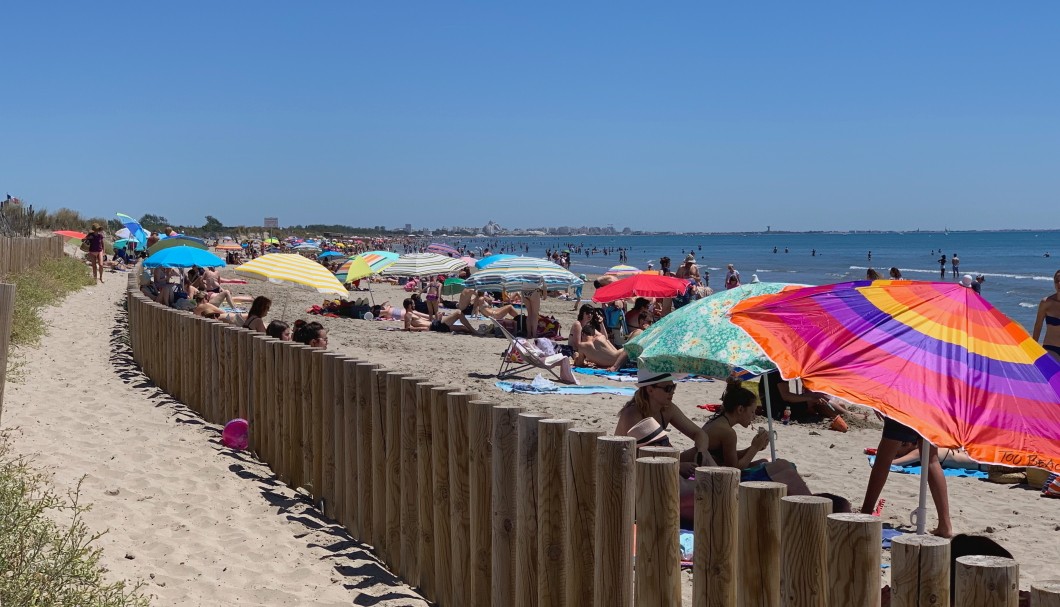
[[183, 257], [485, 262], [136, 231], [328, 254]]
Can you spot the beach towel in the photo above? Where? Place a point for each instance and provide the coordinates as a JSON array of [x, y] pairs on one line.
[[628, 374], [554, 388], [959, 472]]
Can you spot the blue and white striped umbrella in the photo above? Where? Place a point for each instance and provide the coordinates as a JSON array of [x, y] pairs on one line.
[[522, 274]]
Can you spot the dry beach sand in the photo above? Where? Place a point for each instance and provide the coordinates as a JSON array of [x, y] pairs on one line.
[[205, 526]]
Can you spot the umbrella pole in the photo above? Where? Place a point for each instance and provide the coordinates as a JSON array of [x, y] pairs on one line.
[[769, 423], [921, 510]]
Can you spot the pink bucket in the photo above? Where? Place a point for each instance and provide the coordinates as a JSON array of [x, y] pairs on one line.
[[235, 434]]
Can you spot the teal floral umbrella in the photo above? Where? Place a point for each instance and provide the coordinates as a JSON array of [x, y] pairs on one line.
[[700, 339]]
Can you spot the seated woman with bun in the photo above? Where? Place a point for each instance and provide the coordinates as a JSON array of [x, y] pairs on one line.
[[738, 405]]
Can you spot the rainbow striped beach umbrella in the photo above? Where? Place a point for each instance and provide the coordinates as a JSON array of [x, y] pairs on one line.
[[934, 356], [377, 260]]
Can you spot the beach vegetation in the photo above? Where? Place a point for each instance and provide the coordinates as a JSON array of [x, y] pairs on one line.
[[38, 287], [154, 223], [48, 556]]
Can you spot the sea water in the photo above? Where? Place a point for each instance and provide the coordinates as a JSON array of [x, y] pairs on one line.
[[1016, 266]]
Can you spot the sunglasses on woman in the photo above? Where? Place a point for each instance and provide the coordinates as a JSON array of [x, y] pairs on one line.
[[669, 387]]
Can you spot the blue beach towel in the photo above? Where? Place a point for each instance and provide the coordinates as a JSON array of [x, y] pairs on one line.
[[628, 375], [527, 388], [958, 472]]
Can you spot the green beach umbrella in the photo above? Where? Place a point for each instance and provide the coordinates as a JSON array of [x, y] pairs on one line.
[[700, 339], [452, 286]]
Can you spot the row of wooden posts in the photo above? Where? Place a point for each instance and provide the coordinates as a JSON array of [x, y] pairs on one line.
[[18, 254], [481, 504]]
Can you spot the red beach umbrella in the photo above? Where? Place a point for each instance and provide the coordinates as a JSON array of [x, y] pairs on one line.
[[641, 285], [71, 234]]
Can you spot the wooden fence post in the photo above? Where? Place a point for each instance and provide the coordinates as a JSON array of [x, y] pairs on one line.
[[425, 485], [613, 585], [1046, 593], [658, 570], [716, 537], [804, 550], [987, 581], [759, 553], [526, 572], [316, 409], [443, 572], [7, 311], [410, 495], [553, 459], [505, 440], [378, 403], [351, 447], [459, 506], [480, 473], [854, 559], [579, 485], [325, 434], [275, 375], [365, 452], [297, 365], [920, 571], [392, 480]]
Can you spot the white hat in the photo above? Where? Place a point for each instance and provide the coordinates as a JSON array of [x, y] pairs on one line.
[[966, 280], [647, 378], [754, 278], [647, 431]]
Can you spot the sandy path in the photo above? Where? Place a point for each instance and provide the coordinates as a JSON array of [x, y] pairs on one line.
[[200, 524]]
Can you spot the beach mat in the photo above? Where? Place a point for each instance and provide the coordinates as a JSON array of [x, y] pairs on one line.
[[628, 375], [957, 472], [528, 388]]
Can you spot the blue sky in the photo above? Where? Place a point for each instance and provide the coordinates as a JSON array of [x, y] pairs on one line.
[[694, 116]]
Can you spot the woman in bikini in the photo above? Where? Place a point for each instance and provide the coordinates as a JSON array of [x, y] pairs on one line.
[[255, 320], [433, 294], [1049, 314], [95, 251], [738, 405], [655, 398]]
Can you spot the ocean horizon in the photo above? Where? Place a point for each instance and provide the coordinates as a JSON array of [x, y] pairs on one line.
[[1017, 264]]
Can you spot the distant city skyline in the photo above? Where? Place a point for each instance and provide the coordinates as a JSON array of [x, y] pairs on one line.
[[698, 117]]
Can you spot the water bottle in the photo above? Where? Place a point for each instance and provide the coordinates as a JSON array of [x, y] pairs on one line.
[[786, 417]]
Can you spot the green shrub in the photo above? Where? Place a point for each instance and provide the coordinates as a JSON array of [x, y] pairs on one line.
[[44, 563]]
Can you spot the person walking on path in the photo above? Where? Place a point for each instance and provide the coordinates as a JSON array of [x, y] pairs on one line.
[[95, 251]]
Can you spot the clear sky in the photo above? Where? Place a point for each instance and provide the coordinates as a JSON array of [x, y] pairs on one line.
[[674, 116]]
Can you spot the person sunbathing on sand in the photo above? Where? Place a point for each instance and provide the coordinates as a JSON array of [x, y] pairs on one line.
[[909, 455], [418, 321], [204, 308], [483, 304], [596, 349]]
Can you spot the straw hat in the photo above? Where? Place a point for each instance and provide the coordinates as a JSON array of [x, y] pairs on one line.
[[647, 431], [647, 378]]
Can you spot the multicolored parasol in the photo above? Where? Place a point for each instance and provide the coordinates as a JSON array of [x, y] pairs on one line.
[[934, 356], [442, 249]]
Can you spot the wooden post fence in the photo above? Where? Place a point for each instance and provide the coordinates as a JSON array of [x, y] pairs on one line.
[[482, 504]]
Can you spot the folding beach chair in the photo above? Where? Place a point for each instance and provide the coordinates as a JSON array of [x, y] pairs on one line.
[[517, 358]]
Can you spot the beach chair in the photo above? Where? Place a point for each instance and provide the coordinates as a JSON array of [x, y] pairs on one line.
[[517, 358]]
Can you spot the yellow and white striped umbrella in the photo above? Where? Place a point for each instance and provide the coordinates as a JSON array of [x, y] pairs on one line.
[[292, 269]]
